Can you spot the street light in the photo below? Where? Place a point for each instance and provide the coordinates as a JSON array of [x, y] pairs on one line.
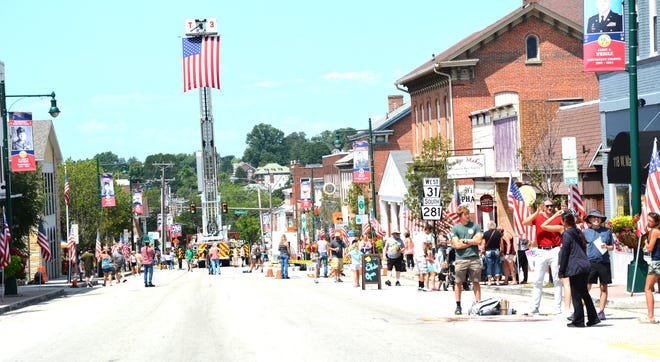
[[54, 112]]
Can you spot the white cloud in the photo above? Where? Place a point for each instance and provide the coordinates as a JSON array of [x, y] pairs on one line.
[[269, 84], [365, 76]]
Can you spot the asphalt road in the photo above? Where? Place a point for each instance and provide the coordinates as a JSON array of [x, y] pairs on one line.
[[248, 317]]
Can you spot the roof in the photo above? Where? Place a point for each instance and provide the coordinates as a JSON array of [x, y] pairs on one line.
[[557, 12], [380, 125], [587, 131], [45, 137]]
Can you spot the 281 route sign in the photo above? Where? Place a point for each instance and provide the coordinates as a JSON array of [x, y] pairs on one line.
[[431, 203]]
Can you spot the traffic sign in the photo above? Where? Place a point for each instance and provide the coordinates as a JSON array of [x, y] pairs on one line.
[[240, 212], [431, 203], [360, 204]]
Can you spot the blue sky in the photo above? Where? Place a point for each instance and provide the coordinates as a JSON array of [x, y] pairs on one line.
[[297, 65]]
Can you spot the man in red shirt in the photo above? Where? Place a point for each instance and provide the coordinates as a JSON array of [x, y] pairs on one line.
[[548, 244]]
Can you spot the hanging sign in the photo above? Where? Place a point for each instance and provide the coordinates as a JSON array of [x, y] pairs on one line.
[[22, 142]]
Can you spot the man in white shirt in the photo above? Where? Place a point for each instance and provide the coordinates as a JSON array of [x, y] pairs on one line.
[[323, 252]]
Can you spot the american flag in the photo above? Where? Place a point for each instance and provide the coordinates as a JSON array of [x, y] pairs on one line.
[[42, 240], [201, 62], [652, 194], [98, 246], [450, 213], [378, 228], [71, 246], [575, 200], [344, 232], [322, 234], [409, 223], [5, 236], [365, 228], [520, 211], [67, 189]]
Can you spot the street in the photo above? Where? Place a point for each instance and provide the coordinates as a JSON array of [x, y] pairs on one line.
[[248, 317]]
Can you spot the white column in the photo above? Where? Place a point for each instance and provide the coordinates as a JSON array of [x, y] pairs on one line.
[[394, 215], [384, 219]]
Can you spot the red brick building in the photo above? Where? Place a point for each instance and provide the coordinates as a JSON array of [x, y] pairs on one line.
[[496, 91]]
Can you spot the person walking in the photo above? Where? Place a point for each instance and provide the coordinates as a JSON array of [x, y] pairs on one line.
[[356, 263], [323, 252], [108, 266], [508, 253], [523, 263], [466, 240], [189, 258], [336, 247], [599, 243], [118, 258], [492, 241], [548, 243], [409, 250], [285, 252], [89, 263], [148, 254], [214, 257], [421, 245], [393, 251], [575, 265], [653, 275]]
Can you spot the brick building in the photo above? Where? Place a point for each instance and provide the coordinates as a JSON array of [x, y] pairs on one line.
[[496, 91]]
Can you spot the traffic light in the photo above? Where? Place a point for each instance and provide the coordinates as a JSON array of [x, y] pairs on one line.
[[193, 208], [225, 209]]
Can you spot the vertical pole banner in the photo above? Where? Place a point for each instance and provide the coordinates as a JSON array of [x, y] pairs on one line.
[[22, 142], [361, 174], [604, 43], [306, 193], [137, 202], [107, 190]]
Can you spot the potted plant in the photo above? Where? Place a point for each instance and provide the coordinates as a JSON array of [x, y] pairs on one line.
[[624, 230], [11, 271]]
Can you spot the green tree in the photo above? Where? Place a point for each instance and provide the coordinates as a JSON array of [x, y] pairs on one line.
[[264, 145], [313, 152], [431, 162], [248, 228]]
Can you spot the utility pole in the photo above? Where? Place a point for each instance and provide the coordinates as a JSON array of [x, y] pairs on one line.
[[163, 222]]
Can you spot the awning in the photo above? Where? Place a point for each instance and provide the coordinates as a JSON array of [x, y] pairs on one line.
[[618, 160]]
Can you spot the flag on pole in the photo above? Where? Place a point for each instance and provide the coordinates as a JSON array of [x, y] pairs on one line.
[[344, 232], [378, 228], [5, 236], [365, 228], [322, 234], [201, 62], [409, 223], [652, 194], [520, 211], [575, 200], [71, 247], [98, 246], [42, 240], [67, 189], [450, 213]]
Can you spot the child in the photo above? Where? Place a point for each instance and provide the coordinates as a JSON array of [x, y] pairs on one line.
[[356, 255], [314, 255], [431, 276]]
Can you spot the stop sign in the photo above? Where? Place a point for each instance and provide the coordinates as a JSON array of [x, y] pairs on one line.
[[486, 202]]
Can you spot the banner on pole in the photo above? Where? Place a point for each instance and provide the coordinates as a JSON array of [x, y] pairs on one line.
[[604, 43], [107, 190], [22, 142], [361, 172]]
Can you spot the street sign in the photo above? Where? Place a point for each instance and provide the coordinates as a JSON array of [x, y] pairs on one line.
[[431, 203], [240, 212], [358, 219], [360, 204]]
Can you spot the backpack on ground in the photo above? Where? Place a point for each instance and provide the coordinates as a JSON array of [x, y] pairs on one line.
[[489, 306]]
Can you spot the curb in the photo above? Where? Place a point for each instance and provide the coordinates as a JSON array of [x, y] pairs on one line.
[[32, 300]]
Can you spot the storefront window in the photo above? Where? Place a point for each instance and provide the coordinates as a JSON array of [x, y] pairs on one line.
[[622, 199]]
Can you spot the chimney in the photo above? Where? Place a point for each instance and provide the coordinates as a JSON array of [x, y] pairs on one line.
[[394, 102]]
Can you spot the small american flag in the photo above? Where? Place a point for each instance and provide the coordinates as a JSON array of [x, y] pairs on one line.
[[5, 236], [365, 228], [67, 189], [520, 211], [575, 200], [450, 213], [201, 62], [409, 223], [322, 234], [98, 246], [378, 228], [652, 194], [344, 232], [71, 246], [42, 240]]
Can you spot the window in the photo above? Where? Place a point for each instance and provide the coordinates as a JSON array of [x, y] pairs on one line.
[[532, 45], [430, 127], [437, 115], [422, 124], [653, 31]]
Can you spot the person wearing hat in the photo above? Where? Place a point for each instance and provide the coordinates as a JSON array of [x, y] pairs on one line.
[[337, 248], [21, 142], [599, 243], [393, 251]]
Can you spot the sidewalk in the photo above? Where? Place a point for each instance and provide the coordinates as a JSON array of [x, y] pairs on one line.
[[35, 294]]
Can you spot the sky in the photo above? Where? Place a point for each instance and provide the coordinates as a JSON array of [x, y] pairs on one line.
[[300, 66]]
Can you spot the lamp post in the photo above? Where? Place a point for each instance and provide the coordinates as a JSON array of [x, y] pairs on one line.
[[54, 112]]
